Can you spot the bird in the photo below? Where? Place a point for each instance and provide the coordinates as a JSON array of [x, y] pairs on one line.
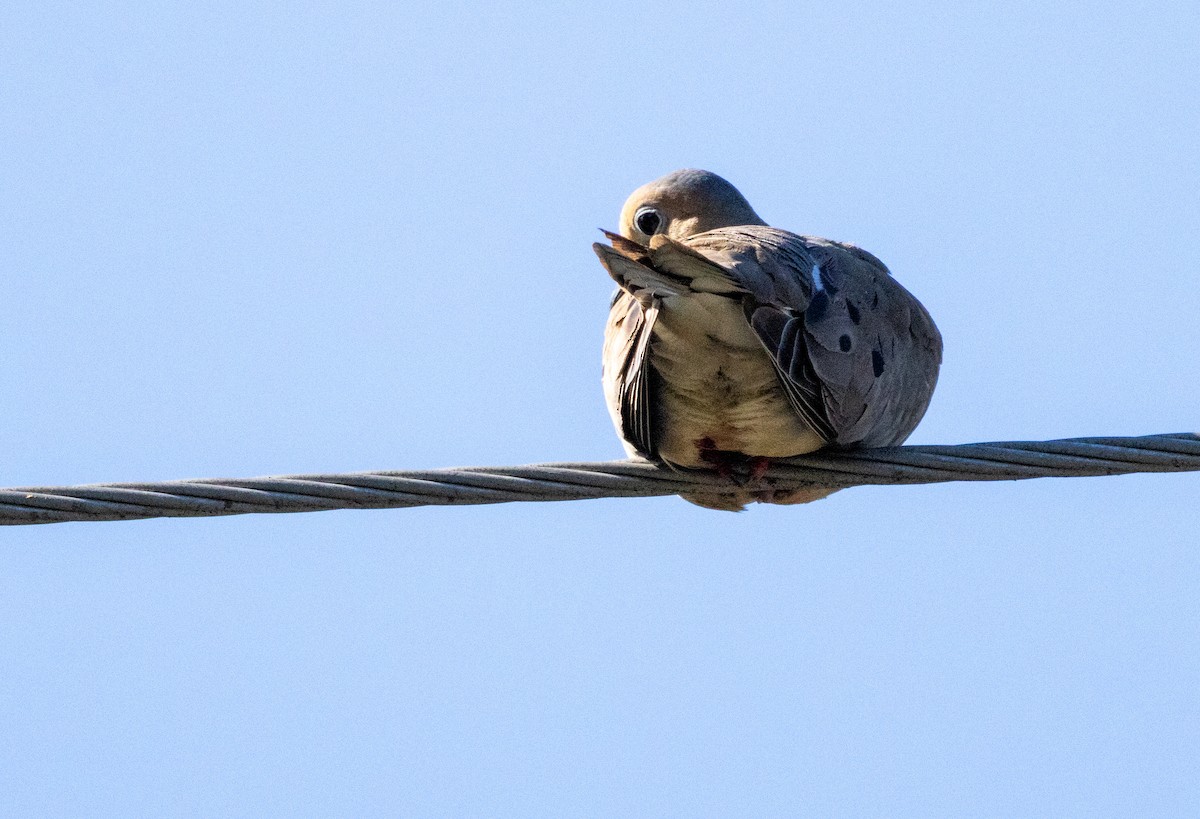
[[730, 343]]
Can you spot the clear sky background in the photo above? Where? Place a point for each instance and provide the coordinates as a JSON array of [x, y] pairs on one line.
[[242, 239]]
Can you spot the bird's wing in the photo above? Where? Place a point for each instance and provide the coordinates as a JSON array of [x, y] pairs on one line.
[[627, 375], [856, 353]]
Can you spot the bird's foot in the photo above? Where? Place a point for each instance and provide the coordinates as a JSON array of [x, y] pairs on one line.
[[720, 460], [758, 468]]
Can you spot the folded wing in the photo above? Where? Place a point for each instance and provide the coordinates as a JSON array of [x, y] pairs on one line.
[[856, 354]]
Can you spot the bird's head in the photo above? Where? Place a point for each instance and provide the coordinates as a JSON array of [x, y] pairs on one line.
[[684, 203]]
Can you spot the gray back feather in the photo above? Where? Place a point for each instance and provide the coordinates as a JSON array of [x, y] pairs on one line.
[[851, 345]]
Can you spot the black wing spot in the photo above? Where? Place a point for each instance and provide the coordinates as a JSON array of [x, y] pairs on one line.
[[852, 309], [845, 343], [875, 301], [877, 362]]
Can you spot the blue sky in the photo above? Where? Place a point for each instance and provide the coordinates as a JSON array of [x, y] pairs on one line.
[[244, 239]]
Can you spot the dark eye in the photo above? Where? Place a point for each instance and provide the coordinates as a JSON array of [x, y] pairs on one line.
[[648, 221]]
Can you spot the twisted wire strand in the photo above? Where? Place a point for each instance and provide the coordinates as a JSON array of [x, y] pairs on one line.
[[1013, 460]]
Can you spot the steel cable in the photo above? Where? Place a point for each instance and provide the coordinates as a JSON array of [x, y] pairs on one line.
[[1014, 460]]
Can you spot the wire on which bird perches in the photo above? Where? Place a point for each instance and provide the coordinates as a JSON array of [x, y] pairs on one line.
[[1014, 460]]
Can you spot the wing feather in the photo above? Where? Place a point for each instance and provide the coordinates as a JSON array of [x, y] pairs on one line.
[[856, 353], [628, 376]]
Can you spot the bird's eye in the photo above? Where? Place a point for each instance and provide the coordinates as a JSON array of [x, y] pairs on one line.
[[648, 220]]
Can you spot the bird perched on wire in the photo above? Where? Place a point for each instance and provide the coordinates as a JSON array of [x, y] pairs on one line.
[[730, 343]]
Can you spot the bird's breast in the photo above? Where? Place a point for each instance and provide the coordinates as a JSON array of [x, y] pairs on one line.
[[717, 385]]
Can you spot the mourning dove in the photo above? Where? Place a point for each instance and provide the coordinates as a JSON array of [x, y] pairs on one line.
[[731, 343]]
